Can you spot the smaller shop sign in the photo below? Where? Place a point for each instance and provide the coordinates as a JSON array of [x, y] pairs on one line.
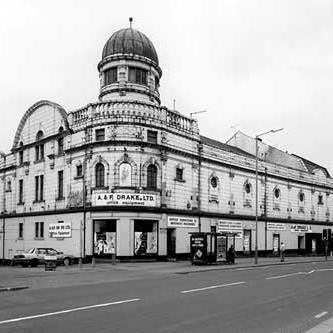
[[276, 226], [230, 226], [198, 247], [300, 228], [60, 230], [182, 222]]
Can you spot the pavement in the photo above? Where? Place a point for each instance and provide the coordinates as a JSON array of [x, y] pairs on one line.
[[17, 277]]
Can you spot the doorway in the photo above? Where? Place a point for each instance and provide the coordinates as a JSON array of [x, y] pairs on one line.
[[171, 242], [247, 241]]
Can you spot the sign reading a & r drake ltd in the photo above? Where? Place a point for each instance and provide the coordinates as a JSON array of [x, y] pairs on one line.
[[124, 199]]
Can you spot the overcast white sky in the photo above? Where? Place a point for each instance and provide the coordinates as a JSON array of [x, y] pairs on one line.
[[253, 65]]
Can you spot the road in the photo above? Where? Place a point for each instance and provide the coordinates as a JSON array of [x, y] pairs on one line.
[[289, 298]]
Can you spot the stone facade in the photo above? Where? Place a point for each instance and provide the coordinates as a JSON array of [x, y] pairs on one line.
[[142, 148]]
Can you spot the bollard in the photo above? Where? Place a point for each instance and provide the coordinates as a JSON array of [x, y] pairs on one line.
[[113, 258], [80, 263], [93, 262]]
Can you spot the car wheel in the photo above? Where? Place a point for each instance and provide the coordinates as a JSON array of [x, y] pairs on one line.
[[34, 263], [67, 261]]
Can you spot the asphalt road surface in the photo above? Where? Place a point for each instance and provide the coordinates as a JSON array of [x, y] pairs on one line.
[[289, 298]]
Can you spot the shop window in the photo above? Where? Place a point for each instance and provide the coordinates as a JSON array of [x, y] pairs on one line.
[[100, 134], [20, 191], [152, 177], [39, 230], [105, 237], [99, 175], [110, 76], [137, 75], [152, 136], [125, 173], [145, 238], [20, 233]]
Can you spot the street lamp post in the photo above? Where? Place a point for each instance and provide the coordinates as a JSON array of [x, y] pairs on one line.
[[257, 138], [196, 112]]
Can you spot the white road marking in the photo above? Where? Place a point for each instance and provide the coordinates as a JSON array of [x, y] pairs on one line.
[[319, 315], [68, 311], [299, 273], [213, 287]]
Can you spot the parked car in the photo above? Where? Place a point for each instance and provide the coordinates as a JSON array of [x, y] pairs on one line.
[[36, 256]]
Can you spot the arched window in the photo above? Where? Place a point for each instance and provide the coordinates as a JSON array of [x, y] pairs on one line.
[[39, 149], [152, 177], [301, 197], [125, 173], [247, 188], [99, 173], [277, 193]]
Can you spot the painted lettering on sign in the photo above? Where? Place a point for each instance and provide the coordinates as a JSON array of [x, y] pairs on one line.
[[182, 222], [123, 199]]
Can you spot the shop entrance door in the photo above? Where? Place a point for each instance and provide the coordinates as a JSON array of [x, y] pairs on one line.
[[171, 242], [301, 245], [276, 244], [247, 240]]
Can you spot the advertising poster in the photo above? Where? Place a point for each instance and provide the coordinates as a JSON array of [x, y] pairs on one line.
[[140, 247], [221, 248], [100, 243], [152, 242], [110, 247], [198, 247]]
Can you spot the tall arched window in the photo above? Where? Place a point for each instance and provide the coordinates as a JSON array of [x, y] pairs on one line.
[[99, 173], [152, 177], [39, 149]]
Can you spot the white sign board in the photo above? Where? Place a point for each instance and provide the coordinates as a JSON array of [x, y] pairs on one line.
[[276, 226], [182, 222], [230, 226], [60, 230], [124, 199], [300, 228]]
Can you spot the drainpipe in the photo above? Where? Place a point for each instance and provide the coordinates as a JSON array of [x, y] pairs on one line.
[[199, 182], [265, 211]]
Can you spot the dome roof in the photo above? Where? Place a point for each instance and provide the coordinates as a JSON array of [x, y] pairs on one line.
[[130, 41]]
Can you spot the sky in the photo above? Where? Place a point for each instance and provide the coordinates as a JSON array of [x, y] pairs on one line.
[[252, 65]]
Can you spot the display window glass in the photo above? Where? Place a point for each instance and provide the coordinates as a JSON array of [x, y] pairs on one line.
[[105, 238], [145, 238]]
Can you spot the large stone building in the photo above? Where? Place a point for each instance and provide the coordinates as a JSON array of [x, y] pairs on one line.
[[128, 174]]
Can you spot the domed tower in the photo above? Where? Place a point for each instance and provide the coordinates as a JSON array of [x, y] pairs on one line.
[[129, 68]]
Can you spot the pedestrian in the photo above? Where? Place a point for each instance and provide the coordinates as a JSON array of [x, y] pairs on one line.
[[231, 255], [282, 249]]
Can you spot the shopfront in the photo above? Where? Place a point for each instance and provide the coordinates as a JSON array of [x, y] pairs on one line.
[[105, 238]]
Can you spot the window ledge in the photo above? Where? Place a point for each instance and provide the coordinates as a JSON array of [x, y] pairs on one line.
[[38, 201], [60, 198], [180, 180], [100, 188], [20, 203], [20, 238], [39, 238], [78, 177], [40, 161], [8, 190]]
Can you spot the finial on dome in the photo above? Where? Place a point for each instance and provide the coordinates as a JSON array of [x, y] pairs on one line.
[[131, 20]]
